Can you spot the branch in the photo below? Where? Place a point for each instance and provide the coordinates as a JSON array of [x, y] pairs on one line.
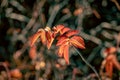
[[88, 63], [7, 70], [55, 11]]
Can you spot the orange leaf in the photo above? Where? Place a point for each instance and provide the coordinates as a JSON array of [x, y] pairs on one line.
[[116, 62], [32, 52], [35, 37], [71, 33], [50, 38], [58, 28], [15, 73], [111, 61], [64, 30], [62, 40], [63, 52], [66, 55], [109, 68], [43, 36], [78, 42], [60, 50]]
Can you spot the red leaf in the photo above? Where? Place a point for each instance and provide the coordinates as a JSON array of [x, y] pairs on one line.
[[78, 42], [34, 38], [111, 61], [116, 63], [50, 38], [60, 50], [62, 40], [66, 55], [63, 51], [109, 68], [71, 33], [58, 28], [64, 30], [32, 52], [43, 36]]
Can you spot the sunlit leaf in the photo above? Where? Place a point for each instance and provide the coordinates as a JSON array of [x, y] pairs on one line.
[[43, 37], [116, 63], [66, 53], [50, 38], [62, 40], [78, 42], [71, 33], [109, 68], [63, 51], [32, 52], [64, 30], [58, 28], [60, 51], [111, 61], [35, 37]]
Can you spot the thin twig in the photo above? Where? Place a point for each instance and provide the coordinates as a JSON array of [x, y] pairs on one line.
[[88, 63]]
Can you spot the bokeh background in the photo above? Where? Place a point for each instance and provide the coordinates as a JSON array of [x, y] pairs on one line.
[[98, 22]]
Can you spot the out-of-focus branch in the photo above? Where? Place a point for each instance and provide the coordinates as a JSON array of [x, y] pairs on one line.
[[7, 70], [117, 4], [55, 11], [91, 38], [37, 11], [88, 63]]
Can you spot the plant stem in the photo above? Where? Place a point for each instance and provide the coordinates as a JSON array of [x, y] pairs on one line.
[[87, 63]]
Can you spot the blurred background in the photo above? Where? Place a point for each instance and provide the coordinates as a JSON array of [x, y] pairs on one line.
[[98, 22]]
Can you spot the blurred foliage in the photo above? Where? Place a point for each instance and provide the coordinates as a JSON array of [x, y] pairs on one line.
[[97, 20]]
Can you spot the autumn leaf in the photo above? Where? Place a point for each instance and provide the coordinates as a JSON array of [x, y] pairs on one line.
[[66, 55], [71, 33], [78, 42], [64, 30], [46, 37], [50, 38], [63, 52], [109, 68], [111, 60], [66, 40], [62, 40], [42, 36], [34, 38], [58, 28], [32, 52]]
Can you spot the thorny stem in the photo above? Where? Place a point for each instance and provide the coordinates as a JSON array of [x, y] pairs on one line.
[[87, 63]]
